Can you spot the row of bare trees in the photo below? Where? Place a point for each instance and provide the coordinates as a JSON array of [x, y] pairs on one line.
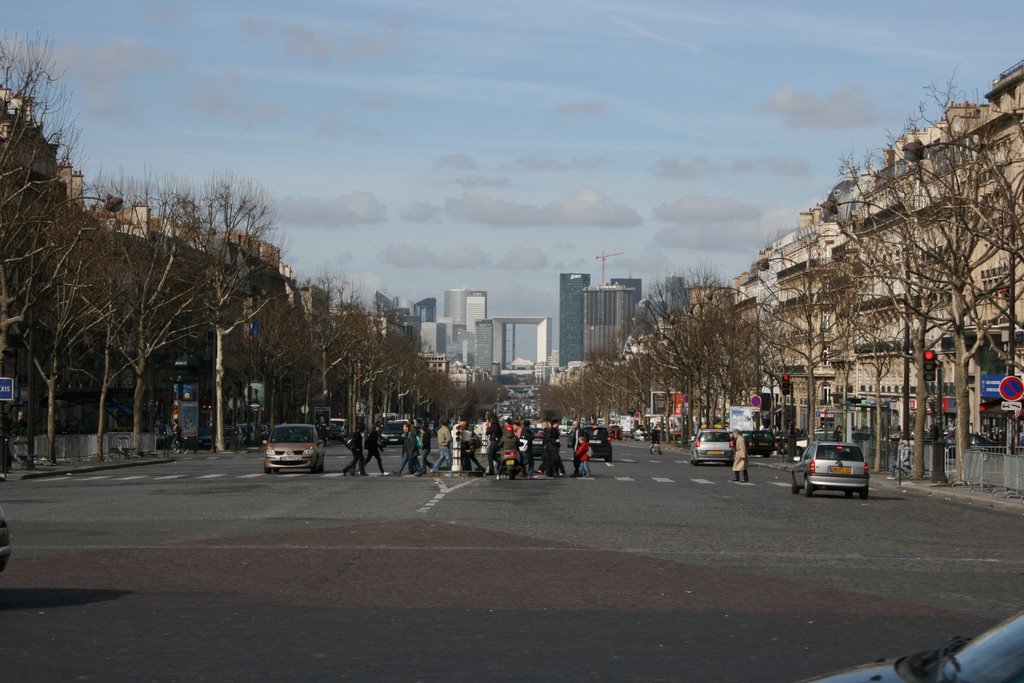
[[921, 241], [105, 289]]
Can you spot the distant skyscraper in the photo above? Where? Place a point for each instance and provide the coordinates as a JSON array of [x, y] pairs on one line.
[[476, 308], [484, 356], [606, 312], [570, 316], [634, 283], [455, 302], [427, 310], [433, 337]]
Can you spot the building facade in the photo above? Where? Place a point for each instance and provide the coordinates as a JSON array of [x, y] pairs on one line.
[[570, 316], [607, 311]]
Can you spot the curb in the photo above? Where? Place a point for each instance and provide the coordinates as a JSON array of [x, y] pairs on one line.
[[59, 471]]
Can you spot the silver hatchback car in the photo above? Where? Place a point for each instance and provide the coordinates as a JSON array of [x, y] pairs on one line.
[[832, 465], [712, 445]]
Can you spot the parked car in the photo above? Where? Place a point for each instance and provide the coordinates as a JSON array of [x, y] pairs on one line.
[[294, 446], [5, 541], [392, 432], [832, 465], [204, 441], [600, 442], [537, 440], [712, 445], [995, 655], [759, 442], [336, 430]]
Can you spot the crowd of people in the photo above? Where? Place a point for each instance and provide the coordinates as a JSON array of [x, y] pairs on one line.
[[458, 446]]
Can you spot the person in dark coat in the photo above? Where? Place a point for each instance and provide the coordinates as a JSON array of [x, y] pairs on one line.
[[356, 467], [373, 445]]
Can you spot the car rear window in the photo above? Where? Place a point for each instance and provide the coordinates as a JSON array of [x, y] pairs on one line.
[[839, 453], [715, 436], [599, 433]]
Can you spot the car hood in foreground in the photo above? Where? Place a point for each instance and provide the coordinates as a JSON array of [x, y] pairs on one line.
[[883, 672]]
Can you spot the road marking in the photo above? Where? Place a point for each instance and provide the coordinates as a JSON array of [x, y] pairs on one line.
[[702, 481], [250, 476], [663, 480], [101, 476], [609, 464], [137, 476], [332, 475], [780, 483], [210, 476], [626, 460], [657, 461], [170, 476], [625, 479], [444, 491]]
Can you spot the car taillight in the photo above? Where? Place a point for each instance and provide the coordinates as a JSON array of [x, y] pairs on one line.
[[810, 467], [732, 443], [697, 443], [867, 469]]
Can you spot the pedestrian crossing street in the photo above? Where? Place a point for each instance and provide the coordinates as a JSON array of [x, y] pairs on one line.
[[111, 477]]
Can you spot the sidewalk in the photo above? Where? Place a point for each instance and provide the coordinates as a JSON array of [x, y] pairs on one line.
[[68, 468]]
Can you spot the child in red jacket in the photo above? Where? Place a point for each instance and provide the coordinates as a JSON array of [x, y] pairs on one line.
[[583, 454]]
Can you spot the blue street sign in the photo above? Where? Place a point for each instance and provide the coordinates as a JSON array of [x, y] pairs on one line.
[[6, 389]]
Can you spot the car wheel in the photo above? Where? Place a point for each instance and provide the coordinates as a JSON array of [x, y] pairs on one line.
[[608, 459], [808, 488], [849, 494], [864, 493], [267, 470], [794, 487]]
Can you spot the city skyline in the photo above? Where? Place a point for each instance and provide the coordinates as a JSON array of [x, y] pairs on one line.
[[414, 146]]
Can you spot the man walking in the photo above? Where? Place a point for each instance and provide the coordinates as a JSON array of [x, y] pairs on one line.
[[444, 447], [356, 467], [373, 446], [574, 441], [656, 439], [494, 432]]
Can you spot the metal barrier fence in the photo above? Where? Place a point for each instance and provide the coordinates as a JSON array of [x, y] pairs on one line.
[[82, 447], [995, 470]]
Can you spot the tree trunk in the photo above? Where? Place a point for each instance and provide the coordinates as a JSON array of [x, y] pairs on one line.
[[139, 397], [218, 389], [51, 412]]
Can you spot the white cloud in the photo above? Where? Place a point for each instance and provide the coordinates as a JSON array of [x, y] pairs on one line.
[[690, 168], [483, 181], [843, 108], [358, 208], [583, 108], [411, 258], [420, 212], [585, 208], [710, 224], [523, 259], [462, 162]]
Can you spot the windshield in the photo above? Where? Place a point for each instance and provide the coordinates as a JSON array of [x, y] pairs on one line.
[[995, 657], [285, 434]]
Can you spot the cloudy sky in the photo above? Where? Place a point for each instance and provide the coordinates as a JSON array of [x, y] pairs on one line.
[[420, 145]]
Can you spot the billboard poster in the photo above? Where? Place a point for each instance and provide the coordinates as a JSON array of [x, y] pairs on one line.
[[188, 418]]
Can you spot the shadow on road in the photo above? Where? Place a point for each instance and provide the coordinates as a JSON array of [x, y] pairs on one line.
[[46, 598]]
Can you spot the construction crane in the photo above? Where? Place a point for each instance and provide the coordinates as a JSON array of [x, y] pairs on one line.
[[604, 257]]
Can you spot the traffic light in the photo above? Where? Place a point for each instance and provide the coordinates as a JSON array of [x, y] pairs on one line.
[[931, 364], [787, 386]]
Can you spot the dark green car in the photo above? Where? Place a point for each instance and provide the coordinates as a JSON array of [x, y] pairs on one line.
[[759, 442]]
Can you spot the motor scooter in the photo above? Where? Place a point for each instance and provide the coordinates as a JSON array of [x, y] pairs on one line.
[[511, 464]]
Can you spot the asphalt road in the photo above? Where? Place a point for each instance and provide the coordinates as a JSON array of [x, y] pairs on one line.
[[654, 570]]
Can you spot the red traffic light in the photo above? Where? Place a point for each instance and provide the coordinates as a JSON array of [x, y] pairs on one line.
[[929, 355], [785, 378]]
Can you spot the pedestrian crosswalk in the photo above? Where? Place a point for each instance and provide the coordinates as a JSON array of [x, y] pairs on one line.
[[249, 476]]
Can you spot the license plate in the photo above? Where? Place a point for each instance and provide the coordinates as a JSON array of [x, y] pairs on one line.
[[839, 470], [714, 452]]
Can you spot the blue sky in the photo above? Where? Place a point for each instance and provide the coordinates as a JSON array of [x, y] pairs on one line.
[[420, 145]]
